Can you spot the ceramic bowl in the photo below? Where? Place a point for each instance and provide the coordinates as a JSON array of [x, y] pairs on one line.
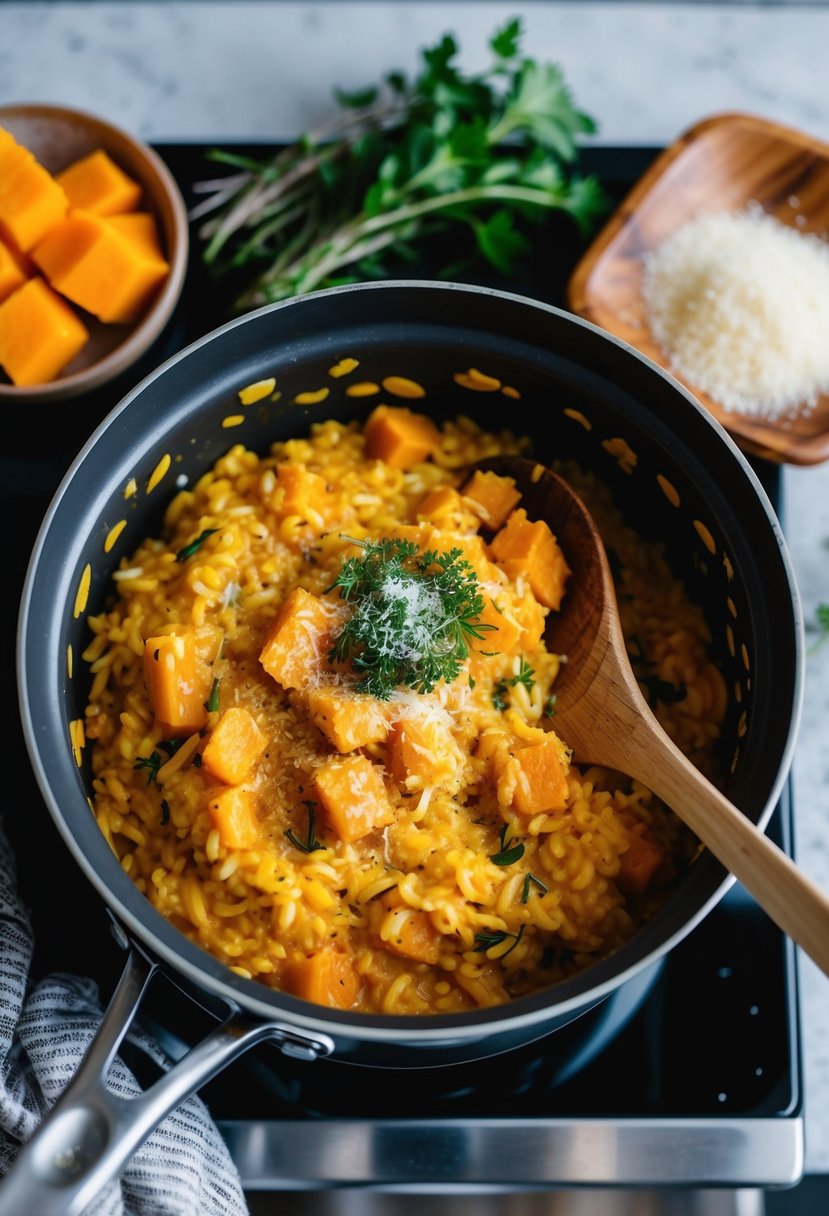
[[57, 136]]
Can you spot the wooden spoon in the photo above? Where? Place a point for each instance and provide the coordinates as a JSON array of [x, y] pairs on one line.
[[601, 714]]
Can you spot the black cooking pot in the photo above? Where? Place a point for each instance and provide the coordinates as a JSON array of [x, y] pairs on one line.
[[579, 394]]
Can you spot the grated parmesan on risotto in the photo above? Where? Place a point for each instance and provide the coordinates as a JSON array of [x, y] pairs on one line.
[[430, 848], [740, 303]]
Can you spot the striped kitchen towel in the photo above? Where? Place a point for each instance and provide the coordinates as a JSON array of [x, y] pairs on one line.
[[182, 1169]]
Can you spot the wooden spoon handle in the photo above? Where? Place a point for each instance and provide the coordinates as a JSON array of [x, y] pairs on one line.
[[789, 897]]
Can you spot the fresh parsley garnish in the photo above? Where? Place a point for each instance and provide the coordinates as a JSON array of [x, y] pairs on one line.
[[486, 940], [310, 844], [413, 616], [525, 676], [550, 705], [194, 545], [479, 159], [531, 880], [505, 856]]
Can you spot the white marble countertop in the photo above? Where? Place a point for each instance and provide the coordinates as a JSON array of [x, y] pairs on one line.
[[211, 70]]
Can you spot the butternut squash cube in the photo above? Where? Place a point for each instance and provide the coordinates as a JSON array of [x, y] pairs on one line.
[[39, 334], [301, 490], [31, 201], [178, 683], [13, 270], [353, 795], [638, 864], [298, 642], [347, 719], [410, 933], [99, 268], [529, 549], [399, 437], [494, 495], [141, 228], [233, 812], [422, 752], [95, 183], [234, 746], [542, 777], [328, 977], [440, 504], [504, 632]]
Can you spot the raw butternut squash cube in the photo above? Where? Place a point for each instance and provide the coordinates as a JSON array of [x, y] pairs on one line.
[[178, 683], [99, 268], [39, 334], [638, 864], [347, 719], [95, 183], [410, 933], [422, 752], [234, 746], [31, 201], [494, 495], [399, 437], [298, 642], [353, 796], [233, 812], [13, 270], [141, 228], [542, 777], [529, 549], [328, 977]]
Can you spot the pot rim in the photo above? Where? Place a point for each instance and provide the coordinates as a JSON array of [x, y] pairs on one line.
[[205, 971]]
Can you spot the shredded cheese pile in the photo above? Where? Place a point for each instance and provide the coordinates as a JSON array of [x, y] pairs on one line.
[[740, 303]]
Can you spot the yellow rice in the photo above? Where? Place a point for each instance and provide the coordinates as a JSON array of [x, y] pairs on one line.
[[256, 908]]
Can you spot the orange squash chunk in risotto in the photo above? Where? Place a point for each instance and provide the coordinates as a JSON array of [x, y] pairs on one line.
[[178, 682], [301, 490], [638, 864], [348, 720], [413, 935], [234, 746], [298, 640], [495, 495], [327, 978], [234, 817], [541, 783], [353, 796], [421, 752], [399, 437], [530, 549]]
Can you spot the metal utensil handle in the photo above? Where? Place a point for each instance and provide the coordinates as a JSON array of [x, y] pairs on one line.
[[90, 1133]]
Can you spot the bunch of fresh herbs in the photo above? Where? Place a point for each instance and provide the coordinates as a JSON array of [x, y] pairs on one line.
[[445, 154]]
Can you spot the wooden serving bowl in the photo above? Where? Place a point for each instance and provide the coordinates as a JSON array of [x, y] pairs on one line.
[[721, 164], [58, 135]]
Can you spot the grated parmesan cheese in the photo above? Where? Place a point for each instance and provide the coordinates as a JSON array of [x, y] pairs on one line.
[[740, 304]]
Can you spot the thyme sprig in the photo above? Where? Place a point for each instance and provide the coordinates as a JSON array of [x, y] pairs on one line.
[[486, 940], [310, 844], [483, 156], [413, 616]]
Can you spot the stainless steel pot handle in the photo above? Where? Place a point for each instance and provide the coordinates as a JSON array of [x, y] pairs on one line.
[[90, 1133]]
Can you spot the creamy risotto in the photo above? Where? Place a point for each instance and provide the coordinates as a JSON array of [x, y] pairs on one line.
[[324, 724]]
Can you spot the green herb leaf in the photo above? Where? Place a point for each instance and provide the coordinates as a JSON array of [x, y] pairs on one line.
[[822, 620], [194, 545], [486, 940], [413, 616], [212, 702], [310, 844], [478, 159], [507, 857], [550, 705], [152, 764], [531, 880]]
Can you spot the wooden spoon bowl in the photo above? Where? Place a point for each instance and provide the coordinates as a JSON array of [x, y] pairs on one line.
[[603, 717]]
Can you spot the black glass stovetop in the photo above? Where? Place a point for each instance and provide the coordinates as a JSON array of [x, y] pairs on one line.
[[707, 1039]]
